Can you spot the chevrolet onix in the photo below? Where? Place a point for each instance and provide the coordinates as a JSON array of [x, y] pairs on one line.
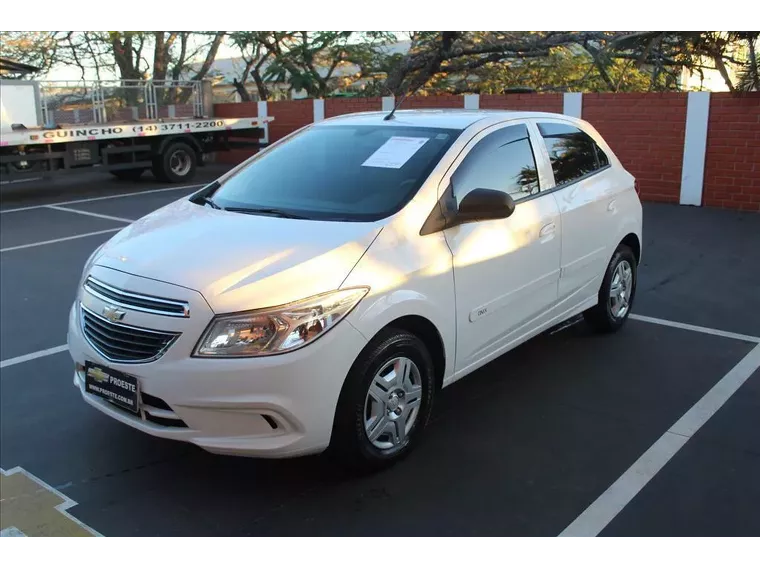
[[320, 295]]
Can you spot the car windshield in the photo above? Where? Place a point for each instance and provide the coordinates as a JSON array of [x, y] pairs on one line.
[[338, 172]]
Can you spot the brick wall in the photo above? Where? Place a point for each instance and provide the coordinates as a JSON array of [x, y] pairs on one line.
[[336, 107], [732, 162], [235, 110], [645, 130], [539, 102]]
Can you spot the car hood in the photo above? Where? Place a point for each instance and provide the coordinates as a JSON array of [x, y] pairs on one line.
[[238, 261]]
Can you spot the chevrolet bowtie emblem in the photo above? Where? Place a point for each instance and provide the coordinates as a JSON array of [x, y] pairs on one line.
[[97, 374], [113, 314]]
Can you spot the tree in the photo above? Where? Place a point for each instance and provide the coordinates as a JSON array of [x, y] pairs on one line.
[[609, 61], [309, 60], [33, 48], [124, 53], [749, 74], [256, 50], [433, 55]]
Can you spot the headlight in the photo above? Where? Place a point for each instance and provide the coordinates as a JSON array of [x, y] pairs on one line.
[[277, 330]]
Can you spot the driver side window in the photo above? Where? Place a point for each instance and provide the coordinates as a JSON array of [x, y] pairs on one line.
[[504, 161]]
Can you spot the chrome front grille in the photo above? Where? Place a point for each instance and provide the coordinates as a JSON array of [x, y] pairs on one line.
[[138, 302], [122, 343]]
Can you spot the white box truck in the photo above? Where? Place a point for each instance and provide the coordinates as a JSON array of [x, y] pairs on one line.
[[120, 127]]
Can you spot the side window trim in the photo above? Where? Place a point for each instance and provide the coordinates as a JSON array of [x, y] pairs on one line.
[[545, 153], [447, 178]]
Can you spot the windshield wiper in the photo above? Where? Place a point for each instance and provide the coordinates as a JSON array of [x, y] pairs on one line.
[[203, 196], [208, 201], [265, 211]]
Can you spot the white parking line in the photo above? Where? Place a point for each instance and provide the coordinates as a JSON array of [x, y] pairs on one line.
[[700, 329], [601, 512], [52, 241], [32, 356], [19, 181], [133, 194], [90, 214]]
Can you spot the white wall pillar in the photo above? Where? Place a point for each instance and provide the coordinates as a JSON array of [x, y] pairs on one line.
[[262, 112], [695, 148], [572, 104], [388, 103], [472, 102], [172, 111], [319, 110]]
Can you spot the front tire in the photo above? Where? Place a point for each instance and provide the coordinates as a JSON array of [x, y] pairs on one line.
[[616, 293], [385, 402]]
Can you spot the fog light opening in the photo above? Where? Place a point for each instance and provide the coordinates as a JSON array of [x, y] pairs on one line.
[[271, 421]]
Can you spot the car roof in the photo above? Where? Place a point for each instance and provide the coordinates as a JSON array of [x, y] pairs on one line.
[[439, 118]]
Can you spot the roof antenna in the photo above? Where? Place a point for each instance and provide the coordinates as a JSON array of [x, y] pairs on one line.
[[390, 116]]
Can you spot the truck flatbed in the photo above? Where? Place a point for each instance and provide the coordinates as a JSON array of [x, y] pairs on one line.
[[130, 129], [166, 127]]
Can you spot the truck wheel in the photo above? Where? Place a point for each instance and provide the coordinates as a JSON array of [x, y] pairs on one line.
[[176, 163]]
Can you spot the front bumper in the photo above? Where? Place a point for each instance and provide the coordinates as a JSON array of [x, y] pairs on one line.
[[275, 406]]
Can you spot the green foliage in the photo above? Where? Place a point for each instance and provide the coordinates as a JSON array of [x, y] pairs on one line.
[[32, 48], [561, 70], [308, 61]]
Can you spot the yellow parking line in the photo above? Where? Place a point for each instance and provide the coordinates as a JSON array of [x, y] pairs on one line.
[[31, 507]]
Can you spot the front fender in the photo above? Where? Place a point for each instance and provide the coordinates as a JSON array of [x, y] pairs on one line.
[[408, 275]]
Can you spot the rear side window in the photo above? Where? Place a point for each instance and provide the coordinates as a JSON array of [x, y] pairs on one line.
[[503, 161], [572, 152]]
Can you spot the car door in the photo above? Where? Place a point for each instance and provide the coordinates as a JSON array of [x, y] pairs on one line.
[[506, 271], [585, 188]]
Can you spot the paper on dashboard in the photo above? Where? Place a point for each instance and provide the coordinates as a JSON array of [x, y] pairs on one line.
[[396, 151]]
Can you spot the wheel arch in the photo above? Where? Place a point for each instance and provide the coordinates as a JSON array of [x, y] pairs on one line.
[[634, 243], [428, 333], [165, 141]]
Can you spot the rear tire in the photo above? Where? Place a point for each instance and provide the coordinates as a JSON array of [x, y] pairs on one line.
[[176, 164], [397, 368], [616, 293]]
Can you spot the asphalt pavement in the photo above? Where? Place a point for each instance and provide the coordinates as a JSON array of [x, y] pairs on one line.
[[522, 447]]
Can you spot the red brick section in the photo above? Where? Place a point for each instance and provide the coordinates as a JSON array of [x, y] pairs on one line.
[[434, 101], [646, 132], [732, 163], [235, 110], [336, 107], [538, 102]]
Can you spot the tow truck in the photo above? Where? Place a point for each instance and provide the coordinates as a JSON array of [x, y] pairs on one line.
[[120, 127]]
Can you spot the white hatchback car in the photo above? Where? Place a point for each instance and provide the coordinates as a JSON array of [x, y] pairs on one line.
[[320, 294]]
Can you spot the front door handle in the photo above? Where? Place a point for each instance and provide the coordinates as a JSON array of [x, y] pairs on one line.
[[547, 230]]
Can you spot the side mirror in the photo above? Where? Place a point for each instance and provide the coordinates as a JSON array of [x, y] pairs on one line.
[[484, 204], [478, 205]]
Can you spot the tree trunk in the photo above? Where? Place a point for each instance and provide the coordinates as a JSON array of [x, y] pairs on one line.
[[721, 67], [245, 96], [123, 52], [261, 86]]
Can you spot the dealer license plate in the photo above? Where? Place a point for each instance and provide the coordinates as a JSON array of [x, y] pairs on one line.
[[114, 386]]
